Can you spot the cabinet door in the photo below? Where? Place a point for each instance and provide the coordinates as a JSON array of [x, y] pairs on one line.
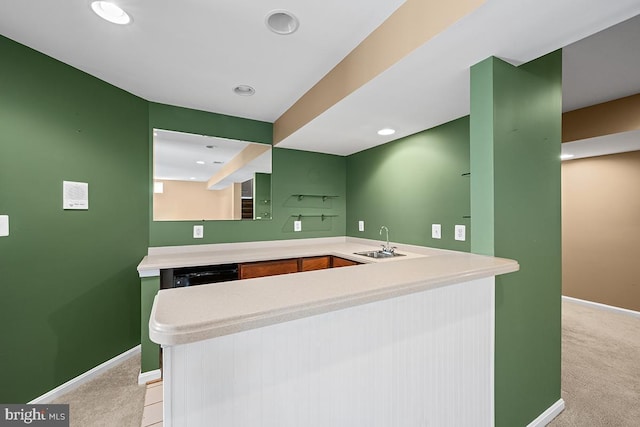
[[342, 262], [315, 263], [268, 268]]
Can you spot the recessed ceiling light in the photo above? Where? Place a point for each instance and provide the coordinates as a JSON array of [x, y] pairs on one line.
[[200, 162], [386, 131], [111, 12], [244, 90], [193, 178], [566, 156], [282, 22]]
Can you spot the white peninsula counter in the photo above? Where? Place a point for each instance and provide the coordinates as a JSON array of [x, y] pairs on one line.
[[403, 341]]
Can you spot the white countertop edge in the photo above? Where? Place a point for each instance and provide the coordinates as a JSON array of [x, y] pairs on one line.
[[174, 335], [154, 272]]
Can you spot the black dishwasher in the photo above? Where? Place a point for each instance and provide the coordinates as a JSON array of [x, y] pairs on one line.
[[201, 275]]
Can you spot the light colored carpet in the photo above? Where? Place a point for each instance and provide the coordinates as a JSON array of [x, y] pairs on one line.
[[600, 368], [112, 399]]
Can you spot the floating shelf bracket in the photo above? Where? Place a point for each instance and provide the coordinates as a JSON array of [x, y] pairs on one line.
[[322, 216], [322, 196]]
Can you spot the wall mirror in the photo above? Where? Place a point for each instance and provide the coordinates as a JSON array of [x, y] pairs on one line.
[[199, 177]]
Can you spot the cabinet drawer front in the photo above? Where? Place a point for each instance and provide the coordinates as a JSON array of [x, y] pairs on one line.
[[268, 268], [342, 262], [316, 263]]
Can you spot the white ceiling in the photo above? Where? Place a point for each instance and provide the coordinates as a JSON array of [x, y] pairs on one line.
[[192, 53]]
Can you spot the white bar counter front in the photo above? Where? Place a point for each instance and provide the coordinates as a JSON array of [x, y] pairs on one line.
[[405, 341]]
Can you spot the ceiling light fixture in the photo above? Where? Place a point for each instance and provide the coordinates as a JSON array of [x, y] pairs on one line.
[[566, 156], [200, 162], [386, 131], [110, 12], [244, 90], [282, 22]]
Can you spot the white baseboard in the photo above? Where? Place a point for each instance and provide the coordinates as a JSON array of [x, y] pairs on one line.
[[145, 377], [87, 376], [547, 416], [602, 306]]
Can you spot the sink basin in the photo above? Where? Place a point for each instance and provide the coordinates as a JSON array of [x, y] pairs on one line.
[[378, 254]]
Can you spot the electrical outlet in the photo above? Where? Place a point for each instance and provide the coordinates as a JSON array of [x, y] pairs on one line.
[[436, 231], [360, 225], [4, 225], [297, 225], [460, 232], [198, 231]]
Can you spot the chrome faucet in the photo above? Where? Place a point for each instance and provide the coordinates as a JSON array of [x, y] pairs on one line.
[[386, 248]]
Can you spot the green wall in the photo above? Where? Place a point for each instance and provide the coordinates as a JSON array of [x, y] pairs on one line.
[[516, 122], [293, 172], [411, 183], [70, 291]]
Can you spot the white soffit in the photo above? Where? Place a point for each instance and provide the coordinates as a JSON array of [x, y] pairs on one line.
[[603, 145]]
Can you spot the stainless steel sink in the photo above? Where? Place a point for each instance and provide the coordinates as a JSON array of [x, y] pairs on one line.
[[378, 254]]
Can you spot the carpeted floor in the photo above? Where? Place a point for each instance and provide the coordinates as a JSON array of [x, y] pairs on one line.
[[114, 399], [600, 368], [600, 377]]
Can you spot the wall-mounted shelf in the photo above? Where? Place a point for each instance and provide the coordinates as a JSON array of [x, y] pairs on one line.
[[322, 216], [321, 196]]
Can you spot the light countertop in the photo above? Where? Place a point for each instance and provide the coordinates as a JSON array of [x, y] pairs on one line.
[[184, 315], [261, 251]]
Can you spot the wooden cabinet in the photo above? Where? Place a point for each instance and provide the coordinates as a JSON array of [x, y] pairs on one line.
[[315, 263], [249, 270], [336, 261]]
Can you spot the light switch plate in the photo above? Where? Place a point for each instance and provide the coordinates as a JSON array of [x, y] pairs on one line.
[[297, 225], [198, 231], [4, 225], [460, 232], [360, 225], [436, 231]]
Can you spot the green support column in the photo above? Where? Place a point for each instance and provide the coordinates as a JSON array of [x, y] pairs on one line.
[[516, 120]]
